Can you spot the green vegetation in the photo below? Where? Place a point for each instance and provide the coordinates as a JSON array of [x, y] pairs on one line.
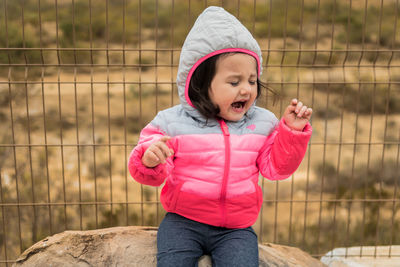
[[88, 23], [378, 181], [361, 99]]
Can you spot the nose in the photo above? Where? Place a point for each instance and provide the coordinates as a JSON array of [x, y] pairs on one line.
[[245, 89]]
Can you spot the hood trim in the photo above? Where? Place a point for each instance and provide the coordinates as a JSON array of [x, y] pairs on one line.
[[218, 52]]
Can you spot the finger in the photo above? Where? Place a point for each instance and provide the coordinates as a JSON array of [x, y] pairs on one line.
[[294, 102], [150, 159], [308, 113], [165, 138], [153, 157], [298, 107], [290, 109], [164, 148], [302, 111], [160, 155]]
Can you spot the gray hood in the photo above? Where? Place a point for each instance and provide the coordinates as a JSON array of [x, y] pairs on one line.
[[215, 31]]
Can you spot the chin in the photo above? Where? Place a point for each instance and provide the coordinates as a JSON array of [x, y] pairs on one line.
[[233, 118]]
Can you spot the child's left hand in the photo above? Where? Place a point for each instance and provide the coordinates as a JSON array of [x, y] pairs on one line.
[[297, 115]]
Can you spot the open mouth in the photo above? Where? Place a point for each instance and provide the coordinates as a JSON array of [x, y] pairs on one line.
[[238, 106]]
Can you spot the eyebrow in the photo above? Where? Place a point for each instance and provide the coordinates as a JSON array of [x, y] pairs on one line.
[[240, 76]]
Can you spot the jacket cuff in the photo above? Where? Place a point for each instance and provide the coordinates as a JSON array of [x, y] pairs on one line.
[[294, 136]]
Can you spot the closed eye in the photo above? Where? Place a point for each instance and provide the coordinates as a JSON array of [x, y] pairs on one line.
[[234, 83], [252, 82]]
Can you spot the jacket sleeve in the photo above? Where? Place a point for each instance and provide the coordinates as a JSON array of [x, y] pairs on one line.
[[283, 151], [144, 175]]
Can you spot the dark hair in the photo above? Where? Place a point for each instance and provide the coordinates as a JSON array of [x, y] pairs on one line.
[[200, 84]]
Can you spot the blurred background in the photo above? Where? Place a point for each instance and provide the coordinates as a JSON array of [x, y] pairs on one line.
[[79, 79]]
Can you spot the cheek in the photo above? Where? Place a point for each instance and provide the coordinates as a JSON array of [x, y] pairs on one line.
[[256, 92], [211, 96], [220, 95]]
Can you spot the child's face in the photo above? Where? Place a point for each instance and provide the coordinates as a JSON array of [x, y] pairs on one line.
[[234, 86]]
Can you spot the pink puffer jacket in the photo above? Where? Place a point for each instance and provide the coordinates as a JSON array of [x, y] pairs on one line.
[[213, 176]]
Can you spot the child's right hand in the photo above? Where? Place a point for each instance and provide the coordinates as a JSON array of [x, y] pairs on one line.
[[157, 153]]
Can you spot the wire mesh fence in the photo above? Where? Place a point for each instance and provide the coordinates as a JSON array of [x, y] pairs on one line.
[[80, 78]]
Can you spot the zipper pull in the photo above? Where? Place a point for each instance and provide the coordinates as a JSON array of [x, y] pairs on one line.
[[224, 127]]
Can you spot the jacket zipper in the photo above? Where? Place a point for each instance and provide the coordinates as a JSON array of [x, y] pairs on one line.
[[225, 131]]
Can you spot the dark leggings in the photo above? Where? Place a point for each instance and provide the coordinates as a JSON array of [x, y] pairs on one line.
[[181, 242]]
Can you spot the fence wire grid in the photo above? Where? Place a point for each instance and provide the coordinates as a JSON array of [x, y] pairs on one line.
[[79, 79]]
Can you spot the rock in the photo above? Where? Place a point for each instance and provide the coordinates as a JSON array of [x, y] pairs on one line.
[[132, 246], [367, 256]]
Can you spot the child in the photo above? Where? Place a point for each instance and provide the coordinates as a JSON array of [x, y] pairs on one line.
[[210, 149]]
